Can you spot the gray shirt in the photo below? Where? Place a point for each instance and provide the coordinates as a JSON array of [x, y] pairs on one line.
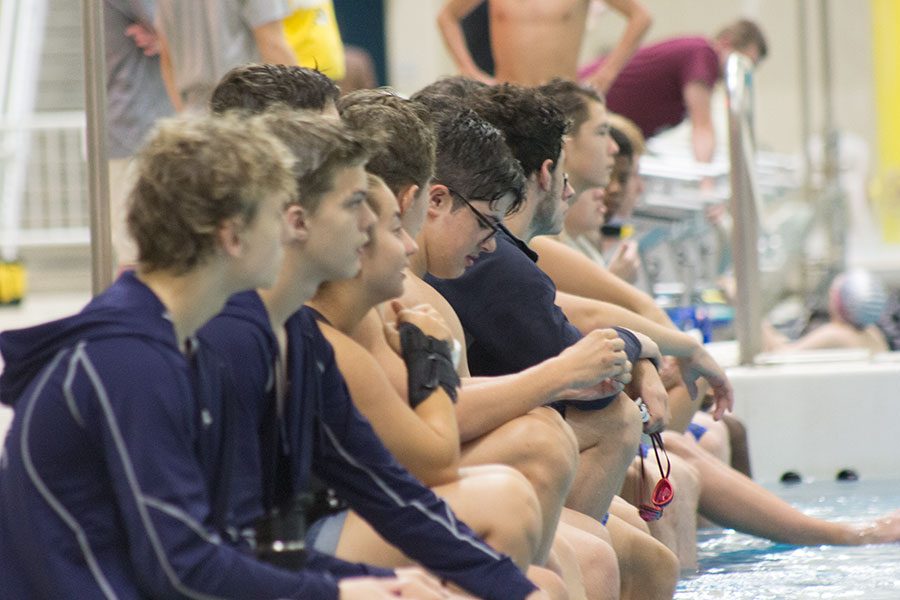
[[135, 93], [207, 38]]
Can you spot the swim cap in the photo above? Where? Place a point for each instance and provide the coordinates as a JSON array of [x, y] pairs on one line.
[[858, 297]]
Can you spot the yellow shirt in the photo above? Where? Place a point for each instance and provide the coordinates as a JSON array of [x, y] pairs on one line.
[[312, 33]]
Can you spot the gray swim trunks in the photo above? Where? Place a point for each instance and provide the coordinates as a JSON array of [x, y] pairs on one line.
[[323, 535]]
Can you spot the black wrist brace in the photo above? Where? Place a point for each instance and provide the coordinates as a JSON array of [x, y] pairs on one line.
[[428, 364], [633, 347]]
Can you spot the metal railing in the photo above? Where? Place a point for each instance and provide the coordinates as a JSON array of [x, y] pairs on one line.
[[52, 206], [744, 206]]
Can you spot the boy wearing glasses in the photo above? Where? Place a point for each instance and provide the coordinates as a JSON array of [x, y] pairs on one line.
[[548, 461], [507, 307]]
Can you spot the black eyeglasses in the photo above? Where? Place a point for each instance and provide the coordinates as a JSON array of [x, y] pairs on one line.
[[483, 222]]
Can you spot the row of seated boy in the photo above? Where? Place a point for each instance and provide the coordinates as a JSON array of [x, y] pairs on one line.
[[351, 364]]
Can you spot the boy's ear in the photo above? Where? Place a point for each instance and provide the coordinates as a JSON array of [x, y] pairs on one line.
[[297, 218], [439, 198], [407, 197], [545, 175], [229, 236]]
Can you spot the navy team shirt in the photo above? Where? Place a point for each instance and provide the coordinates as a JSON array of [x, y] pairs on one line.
[[322, 434], [507, 307]]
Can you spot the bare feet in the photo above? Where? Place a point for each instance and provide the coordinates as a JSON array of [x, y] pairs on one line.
[[885, 530]]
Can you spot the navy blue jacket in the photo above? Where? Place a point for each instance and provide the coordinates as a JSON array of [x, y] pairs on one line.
[[342, 450], [507, 307], [106, 471]]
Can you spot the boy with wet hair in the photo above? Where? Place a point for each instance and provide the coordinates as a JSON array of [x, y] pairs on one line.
[[317, 434], [254, 87]]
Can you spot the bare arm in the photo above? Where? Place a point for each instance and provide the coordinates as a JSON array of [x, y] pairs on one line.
[[272, 45], [483, 403], [587, 314], [582, 371], [425, 440], [165, 69], [829, 335], [449, 24], [486, 403], [693, 359], [639, 22], [698, 99], [574, 273]]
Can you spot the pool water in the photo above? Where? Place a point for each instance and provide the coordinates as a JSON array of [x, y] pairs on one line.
[[737, 566]]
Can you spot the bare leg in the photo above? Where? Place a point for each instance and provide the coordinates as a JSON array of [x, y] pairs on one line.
[[648, 570], [596, 561], [733, 500], [495, 501], [551, 583], [608, 440], [677, 528], [564, 562], [717, 439], [740, 448], [628, 513], [542, 447]]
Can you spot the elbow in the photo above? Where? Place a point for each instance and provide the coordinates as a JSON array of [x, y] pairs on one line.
[[442, 477], [444, 20], [444, 469], [645, 20], [469, 428]]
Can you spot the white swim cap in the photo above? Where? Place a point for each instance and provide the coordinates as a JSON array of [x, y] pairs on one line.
[[858, 297]]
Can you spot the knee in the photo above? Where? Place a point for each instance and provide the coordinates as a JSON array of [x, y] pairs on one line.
[[686, 475], [663, 571], [599, 568], [716, 442], [549, 582], [517, 528], [630, 422], [549, 456]]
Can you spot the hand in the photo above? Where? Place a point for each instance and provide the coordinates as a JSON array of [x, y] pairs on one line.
[[649, 348], [626, 262], [423, 316], [604, 389], [408, 583], [648, 386], [670, 372], [600, 81], [701, 364], [597, 356], [144, 38]]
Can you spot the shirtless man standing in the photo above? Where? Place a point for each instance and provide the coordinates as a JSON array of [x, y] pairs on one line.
[[534, 41]]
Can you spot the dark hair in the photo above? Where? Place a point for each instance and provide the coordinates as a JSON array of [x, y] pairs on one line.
[[626, 150], [320, 147], [255, 87], [572, 99], [473, 159], [401, 144], [742, 34], [447, 94], [456, 85], [531, 122]]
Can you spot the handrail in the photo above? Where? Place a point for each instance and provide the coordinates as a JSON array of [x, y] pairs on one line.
[[98, 174], [21, 40], [744, 206]]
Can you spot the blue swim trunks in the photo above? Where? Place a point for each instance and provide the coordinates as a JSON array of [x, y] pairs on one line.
[[696, 430]]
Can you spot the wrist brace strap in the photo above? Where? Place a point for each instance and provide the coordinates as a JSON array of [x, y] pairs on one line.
[[428, 364]]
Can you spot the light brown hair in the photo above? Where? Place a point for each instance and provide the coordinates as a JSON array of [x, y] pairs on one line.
[[195, 173]]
